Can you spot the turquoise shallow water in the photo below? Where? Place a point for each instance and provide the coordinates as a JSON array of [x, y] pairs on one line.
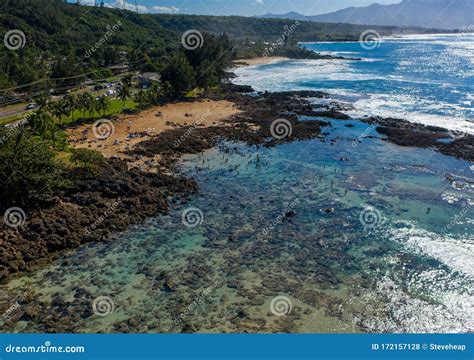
[[342, 268], [327, 235]]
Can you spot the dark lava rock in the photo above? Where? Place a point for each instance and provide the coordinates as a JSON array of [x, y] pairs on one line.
[[94, 207], [404, 133]]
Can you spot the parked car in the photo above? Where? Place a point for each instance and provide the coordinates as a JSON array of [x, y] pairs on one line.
[[31, 106]]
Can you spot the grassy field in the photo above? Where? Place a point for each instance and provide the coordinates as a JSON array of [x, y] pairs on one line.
[[116, 107]]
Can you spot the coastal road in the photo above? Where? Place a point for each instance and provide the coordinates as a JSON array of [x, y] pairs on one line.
[[12, 110]]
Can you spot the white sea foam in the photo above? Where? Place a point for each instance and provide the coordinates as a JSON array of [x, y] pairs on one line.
[[450, 311], [398, 106], [450, 308], [458, 254], [300, 75], [289, 77]]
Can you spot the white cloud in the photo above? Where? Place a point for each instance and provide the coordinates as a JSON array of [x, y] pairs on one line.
[[164, 9], [123, 4]]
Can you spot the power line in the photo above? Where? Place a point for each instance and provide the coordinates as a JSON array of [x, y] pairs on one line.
[[67, 78]]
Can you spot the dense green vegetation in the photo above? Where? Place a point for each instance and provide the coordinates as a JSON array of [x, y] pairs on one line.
[[30, 150], [69, 43], [29, 171]]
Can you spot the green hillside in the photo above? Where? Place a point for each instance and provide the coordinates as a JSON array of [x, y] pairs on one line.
[[60, 35]]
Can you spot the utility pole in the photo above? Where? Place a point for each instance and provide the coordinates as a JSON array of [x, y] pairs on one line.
[[136, 6]]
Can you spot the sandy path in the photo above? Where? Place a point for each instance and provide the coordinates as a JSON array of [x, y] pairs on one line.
[[150, 123]]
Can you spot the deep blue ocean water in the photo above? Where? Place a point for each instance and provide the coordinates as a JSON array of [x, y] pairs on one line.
[[377, 238], [426, 79]]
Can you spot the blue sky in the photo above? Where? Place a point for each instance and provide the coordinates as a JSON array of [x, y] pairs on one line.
[[241, 7]]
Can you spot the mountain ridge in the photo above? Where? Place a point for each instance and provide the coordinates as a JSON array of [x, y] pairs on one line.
[[441, 14]]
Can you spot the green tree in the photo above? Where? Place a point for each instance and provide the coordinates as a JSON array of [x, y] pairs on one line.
[[127, 80], [71, 104], [141, 98], [155, 94], [84, 102], [91, 106], [103, 105], [207, 75], [59, 109], [40, 122], [123, 94], [88, 159], [29, 172], [179, 74], [42, 100]]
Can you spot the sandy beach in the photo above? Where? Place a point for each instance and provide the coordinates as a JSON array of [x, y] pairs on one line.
[[132, 129], [259, 61]]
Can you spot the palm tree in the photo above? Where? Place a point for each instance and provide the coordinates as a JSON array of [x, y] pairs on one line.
[[40, 122], [103, 105], [92, 107], [84, 103], [71, 105], [123, 94], [42, 100], [141, 98], [58, 109], [155, 94]]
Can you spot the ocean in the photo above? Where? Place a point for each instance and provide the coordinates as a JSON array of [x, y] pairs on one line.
[[426, 79], [319, 236]]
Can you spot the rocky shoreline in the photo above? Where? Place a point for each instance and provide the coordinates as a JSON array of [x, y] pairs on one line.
[[119, 196], [404, 133], [97, 206]]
